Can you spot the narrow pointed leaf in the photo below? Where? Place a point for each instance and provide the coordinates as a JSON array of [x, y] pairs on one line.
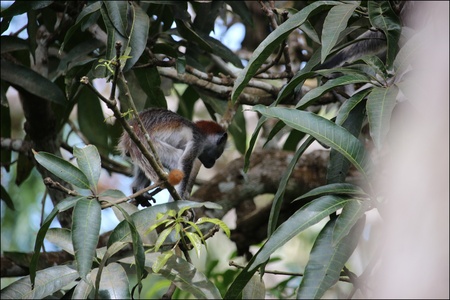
[[48, 281], [138, 34], [85, 233], [351, 213], [349, 105], [333, 188], [331, 84], [302, 219], [62, 168], [326, 262], [380, 104], [324, 131], [273, 40], [89, 162], [334, 23]]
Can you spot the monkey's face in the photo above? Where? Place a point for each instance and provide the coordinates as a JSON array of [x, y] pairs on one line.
[[211, 153]]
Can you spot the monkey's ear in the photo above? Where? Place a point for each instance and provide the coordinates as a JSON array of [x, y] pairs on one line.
[[222, 139]]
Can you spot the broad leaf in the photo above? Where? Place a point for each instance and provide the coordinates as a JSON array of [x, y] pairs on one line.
[[62, 168], [35, 83], [380, 104], [273, 40], [48, 281], [85, 233], [334, 23], [62, 238], [89, 162], [302, 219], [113, 283], [326, 261], [324, 131], [383, 17]]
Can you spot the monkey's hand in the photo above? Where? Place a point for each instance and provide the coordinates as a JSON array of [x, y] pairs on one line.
[[146, 198]]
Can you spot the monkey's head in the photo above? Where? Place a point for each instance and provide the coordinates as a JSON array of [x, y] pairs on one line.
[[214, 142]]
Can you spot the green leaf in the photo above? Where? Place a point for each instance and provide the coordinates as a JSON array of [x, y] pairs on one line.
[[195, 241], [334, 23], [190, 35], [238, 132], [5, 197], [351, 213], [383, 17], [63, 205], [279, 196], [35, 83], [83, 289], [349, 105], [333, 188], [324, 131], [89, 162], [330, 84], [138, 34], [62, 238], [84, 14], [255, 288], [240, 8], [183, 274], [85, 233], [326, 262], [20, 7], [218, 222], [302, 219], [113, 283], [273, 40], [48, 281], [150, 82], [13, 43], [380, 104], [161, 261], [62, 168], [145, 218]]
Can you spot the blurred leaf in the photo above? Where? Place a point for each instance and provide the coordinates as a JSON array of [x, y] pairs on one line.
[[48, 281], [91, 120], [324, 131], [326, 262], [305, 217], [272, 41], [5, 130], [218, 222], [237, 129], [12, 43], [161, 261], [20, 7], [255, 288], [334, 23], [85, 233], [380, 104], [5, 197], [240, 8], [89, 162], [190, 35], [223, 51], [35, 84], [62, 168], [383, 17]]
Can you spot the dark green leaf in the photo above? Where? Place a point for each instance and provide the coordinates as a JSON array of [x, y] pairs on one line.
[[279, 196], [89, 162], [62, 168], [240, 8], [383, 17], [35, 84], [238, 130], [273, 40], [302, 219], [334, 23], [5, 197], [314, 94], [351, 213], [85, 233], [190, 35], [13, 43], [138, 35], [150, 82], [324, 131], [48, 281], [5, 129], [326, 262], [20, 7], [113, 283]]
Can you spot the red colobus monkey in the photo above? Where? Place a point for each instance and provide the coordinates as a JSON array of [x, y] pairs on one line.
[[178, 143]]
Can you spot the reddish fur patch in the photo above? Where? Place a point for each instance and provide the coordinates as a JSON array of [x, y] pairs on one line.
[[175, 176], [209, 127]]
